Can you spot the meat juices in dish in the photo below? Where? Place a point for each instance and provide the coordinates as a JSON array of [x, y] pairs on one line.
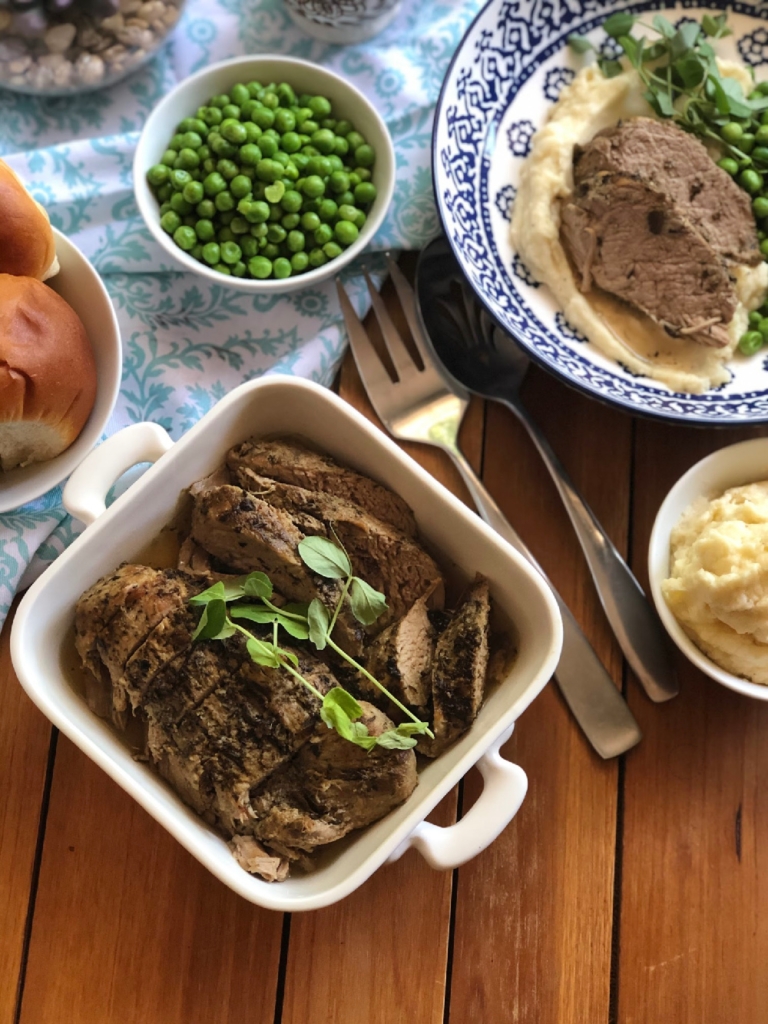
[[244, 744]]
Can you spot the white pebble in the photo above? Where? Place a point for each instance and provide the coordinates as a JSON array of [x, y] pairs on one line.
[[40, 77], [171, 16], [52, 60], [135, 36], [20, 65], [113, 24], [62, 74], [89, 68], [152, 12], [88, 37], [129, 7], [60, 37], [5, 20], [114, 53]]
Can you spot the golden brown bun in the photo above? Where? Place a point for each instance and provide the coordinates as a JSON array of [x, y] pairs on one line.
[[27, 246], [47, 372]]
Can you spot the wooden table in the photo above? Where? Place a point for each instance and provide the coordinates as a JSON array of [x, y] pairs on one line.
[[627, 891]]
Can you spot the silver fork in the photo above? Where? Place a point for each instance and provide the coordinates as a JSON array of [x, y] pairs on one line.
[[420, 406]]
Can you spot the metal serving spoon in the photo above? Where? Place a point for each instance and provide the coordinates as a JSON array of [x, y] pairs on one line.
[[486, 361]]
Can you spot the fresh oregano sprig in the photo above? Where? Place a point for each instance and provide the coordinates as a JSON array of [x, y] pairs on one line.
[[678, 68], [339, 709]]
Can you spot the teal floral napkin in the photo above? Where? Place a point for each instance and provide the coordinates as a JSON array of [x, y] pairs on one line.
[[188, 342]]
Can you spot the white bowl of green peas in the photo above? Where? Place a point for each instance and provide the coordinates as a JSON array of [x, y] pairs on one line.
[[267, 174]]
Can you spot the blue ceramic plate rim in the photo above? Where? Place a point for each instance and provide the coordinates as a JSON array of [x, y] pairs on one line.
[[692, 410]]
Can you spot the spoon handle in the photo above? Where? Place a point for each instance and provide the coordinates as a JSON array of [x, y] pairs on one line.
[[635, 624], [596, 703]]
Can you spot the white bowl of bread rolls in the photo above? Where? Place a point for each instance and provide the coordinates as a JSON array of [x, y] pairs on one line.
[[60, 354]]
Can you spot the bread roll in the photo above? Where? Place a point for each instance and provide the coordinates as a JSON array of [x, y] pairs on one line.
[[47, 372], [27, 246]]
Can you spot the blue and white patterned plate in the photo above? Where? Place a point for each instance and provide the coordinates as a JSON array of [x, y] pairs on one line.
[[508, 70]]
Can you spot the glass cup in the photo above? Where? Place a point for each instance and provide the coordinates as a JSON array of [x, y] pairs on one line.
[[342, 21]]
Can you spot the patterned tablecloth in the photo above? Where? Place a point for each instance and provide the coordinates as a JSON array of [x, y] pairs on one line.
[[186, 341]]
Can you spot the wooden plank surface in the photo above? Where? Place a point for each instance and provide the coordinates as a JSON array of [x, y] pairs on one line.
[[25, 737], [694, 933], [534, 911]]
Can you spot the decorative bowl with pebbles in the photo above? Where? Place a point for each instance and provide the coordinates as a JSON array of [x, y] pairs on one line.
[[59, 47]]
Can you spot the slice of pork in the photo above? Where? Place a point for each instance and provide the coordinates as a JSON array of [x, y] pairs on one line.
[[678, 164], [401, 659], [630, 239], [459, 670], [290, 462]]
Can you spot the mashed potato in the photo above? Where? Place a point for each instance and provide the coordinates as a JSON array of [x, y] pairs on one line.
[[718, 583], [589, 104]]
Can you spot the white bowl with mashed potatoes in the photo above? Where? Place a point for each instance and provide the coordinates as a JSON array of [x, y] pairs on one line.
[[708, 566]]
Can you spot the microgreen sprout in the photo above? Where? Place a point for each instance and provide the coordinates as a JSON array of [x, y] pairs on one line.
[[222, 612]]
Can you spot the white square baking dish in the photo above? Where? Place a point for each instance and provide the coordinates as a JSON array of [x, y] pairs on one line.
[[289, 406]]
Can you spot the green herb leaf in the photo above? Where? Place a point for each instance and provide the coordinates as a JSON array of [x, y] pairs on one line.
[[319, 620], [325, 558], [366, 603], [633, 50], [654, 52], [683, 40], [258, 613], [715, 27], [661, 103], [412, 728], [579, 44], [214, 593], [610, 68], [619, 24], [295, 608], [257, 584], [663, 27], [262, 654], [213, 624], [729, 97], [690, 71], [393, 740], [339, 697]]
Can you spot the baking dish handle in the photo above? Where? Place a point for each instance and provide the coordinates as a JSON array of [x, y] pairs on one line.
[[504, 787], [85, 495]]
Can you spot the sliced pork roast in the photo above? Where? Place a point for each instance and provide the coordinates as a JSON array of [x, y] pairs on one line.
[[654, 221], [243, 744], [290, 462], [629, 238], [678, 164]]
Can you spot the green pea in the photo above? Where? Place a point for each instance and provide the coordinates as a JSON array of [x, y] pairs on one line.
[[205, 209], [180, 204], [170, 221], [230, 252], [750, 342], [180, 178], [310, 221], [227, 168], [729, 165], [314, 186], [158, 175], [164, 208], [212, 116], [282, 267], [239, 226], [188, 160], [193, 192], [750, 181], [268, 170], [763, 327], [320, 106], [274, 193], [319, 165], [300, 161], [338, 182], [250, 154], [226, 235], [355, 139], [346, 232], [220, 101], [196, 251], [359, 219], [286, 94], [760, 154], [164, 193], [365, 193], [760, 206], [271, 250], [332, 250], [240, 186], [176, 141], [290, 221], [755, 317], [214, 183], [291, 142], [731, 132], [346, 199], [249, 245], [323, 140], [276, 233], [222, 268], [204, 153], [225, 201], [363, 173], [238, 269], [234, 132], [231, 110], [299, 262], [364, 156], [263, 117], [205, 230], [747, 142], [327, 210], [291, 201], [185, 237], [258, 212], [239, 94], [340, 146], [209, 166], [285, 121], [259, 231], [268, 145], [317, 258], [336, 163], [310, 126], [295, 241], [260, 267], [191, 140], [323, 234], [347, 212], [343, 128], [761, 135], [254, 88], [270, 100], [764, 247]]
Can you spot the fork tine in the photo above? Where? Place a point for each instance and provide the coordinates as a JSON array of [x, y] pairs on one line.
[[401, 359], [408, 303], [372, 371]]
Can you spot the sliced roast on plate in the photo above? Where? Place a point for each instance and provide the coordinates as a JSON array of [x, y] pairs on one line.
[[655, 222], [678, 164], [629, 238], [244, 743]]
